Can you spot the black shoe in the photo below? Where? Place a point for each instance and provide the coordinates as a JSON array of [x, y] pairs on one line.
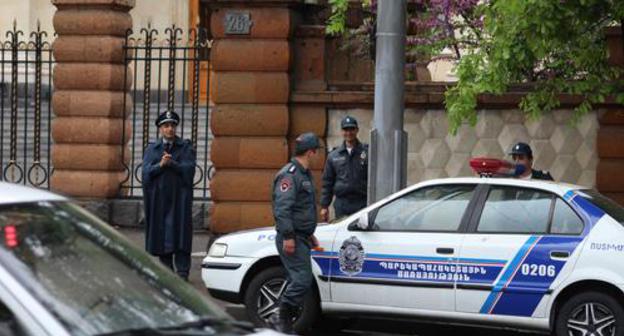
[[285, 317]]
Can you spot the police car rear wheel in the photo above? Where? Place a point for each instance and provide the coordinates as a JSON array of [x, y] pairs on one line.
[[263, 295], [591, 313]]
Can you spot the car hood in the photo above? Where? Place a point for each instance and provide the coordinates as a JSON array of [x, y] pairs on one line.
[[260, 242]]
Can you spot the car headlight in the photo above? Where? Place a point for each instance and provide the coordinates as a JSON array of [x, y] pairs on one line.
[[218, 250]]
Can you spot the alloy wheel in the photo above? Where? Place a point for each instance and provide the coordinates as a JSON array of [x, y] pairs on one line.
[[591, 319], [269, 294]]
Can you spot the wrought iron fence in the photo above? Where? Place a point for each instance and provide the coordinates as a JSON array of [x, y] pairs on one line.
[[167, 71], [25, 108]]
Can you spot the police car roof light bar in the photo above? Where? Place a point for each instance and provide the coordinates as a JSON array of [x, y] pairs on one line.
[[488, 167]]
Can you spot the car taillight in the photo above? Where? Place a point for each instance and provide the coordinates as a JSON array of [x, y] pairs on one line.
[[495, 167], [10, 236]]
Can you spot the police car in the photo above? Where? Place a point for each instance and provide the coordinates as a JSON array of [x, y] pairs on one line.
[[504, 252], [64, 272]]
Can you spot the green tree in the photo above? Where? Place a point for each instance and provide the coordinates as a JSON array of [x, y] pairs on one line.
[[557, 45]]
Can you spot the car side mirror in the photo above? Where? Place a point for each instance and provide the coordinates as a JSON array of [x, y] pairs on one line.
[[360, 224]]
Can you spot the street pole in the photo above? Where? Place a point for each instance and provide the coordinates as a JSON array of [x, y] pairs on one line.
[[388, 148]]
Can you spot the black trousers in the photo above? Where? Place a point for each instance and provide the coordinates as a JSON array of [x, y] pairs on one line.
[[298, 270], [181, 260]]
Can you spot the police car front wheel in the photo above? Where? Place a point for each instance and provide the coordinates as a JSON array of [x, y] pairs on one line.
[[263, 295], [590, 313]]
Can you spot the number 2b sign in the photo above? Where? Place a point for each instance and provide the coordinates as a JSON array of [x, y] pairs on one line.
[[237, 23]]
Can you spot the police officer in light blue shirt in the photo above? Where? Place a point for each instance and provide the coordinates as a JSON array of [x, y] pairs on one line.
[[294, 210]]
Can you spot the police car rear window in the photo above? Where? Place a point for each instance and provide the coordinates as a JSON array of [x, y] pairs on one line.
[[607, 205]]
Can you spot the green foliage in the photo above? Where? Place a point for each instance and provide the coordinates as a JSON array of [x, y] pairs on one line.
[[336, 23], [559, 46]]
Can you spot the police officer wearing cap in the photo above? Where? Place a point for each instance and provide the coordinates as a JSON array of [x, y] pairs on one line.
[[295, 213], [168, 170], [522, 154], [346, 173]]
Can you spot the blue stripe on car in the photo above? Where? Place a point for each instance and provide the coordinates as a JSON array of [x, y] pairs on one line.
[[525, 290], [510, 271]]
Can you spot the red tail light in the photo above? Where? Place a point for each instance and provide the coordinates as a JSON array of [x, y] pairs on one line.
[[10, 236]]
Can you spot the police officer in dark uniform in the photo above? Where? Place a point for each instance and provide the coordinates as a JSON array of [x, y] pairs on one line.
[[346, 173], [295, 213], [168, 170], [521, 153]]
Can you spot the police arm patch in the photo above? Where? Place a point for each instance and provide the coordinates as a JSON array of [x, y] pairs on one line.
[[285, 184]]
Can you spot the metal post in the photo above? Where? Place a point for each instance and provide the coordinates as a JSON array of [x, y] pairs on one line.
[[388, 149]]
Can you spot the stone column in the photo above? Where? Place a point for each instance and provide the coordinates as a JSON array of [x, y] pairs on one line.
[[89, 96], [250, 88]]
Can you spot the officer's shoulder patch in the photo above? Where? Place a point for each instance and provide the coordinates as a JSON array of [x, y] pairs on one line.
[[292, 169], [285, 184]]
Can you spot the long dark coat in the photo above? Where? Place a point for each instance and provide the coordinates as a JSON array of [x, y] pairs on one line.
[[168, 198]]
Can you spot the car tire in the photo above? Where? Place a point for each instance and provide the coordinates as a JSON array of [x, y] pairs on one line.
[[608, 313], [260, 300]]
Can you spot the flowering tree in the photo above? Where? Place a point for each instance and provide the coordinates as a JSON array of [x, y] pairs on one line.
[[557, 46], [433, 26]]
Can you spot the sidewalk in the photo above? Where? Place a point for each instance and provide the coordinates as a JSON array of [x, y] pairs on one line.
[[200, 249]]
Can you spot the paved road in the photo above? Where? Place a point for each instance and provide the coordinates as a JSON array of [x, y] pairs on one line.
[[363, 326]]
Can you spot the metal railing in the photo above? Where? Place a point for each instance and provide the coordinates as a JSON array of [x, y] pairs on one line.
[[25, 108], [167, 74]]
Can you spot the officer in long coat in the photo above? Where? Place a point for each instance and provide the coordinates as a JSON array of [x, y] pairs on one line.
[[294, 210], [168, 170]]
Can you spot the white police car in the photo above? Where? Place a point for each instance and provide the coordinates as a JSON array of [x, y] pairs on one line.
[[515, 253], [64, 272]]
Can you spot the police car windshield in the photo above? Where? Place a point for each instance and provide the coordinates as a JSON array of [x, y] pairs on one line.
[[88, 276], [607, 205]]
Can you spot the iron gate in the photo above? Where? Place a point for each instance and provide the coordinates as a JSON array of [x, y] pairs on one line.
[[25, 108], [167, 74]]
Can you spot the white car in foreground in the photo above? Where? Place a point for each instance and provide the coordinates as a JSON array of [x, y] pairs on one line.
[[65, 272], [515, 253]]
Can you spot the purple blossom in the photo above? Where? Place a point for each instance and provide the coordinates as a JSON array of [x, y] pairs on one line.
[[434, 23]]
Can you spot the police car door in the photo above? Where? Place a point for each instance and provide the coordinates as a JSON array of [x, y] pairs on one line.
[[407, 256], [518, 239]]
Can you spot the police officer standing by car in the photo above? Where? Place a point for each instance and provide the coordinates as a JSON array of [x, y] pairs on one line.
[[168, 170], [346, 173], [294, 209], [522, 154]]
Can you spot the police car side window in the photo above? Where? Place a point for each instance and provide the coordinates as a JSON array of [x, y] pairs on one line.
[[565, 220], [437, 208], [515, 210]]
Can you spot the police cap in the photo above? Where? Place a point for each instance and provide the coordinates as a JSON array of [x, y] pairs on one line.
[[348, 122], [306, 141], [167, 117], [521, 148]]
